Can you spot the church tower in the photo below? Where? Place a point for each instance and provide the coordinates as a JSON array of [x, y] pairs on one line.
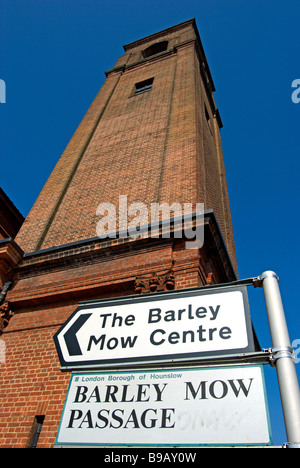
[[152, 134]]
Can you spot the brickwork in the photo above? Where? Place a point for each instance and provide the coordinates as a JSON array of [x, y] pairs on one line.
[[47, 288]]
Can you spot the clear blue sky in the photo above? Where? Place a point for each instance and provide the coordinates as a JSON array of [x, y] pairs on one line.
[[52, 57]]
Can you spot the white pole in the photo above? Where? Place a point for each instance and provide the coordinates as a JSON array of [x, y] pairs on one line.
[[285, 365]]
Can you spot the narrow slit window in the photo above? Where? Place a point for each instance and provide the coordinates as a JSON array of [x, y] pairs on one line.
[[143, 86], [155, 49], [36, 430], [208, 120]]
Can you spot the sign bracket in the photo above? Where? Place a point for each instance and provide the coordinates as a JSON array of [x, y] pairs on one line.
[[263, 357]]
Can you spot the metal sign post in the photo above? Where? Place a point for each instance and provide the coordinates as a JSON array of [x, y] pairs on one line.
[[283, 357]]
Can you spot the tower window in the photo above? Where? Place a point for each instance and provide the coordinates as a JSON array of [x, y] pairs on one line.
[[36, 431], [208, 120], [155, 49], [143, 86]]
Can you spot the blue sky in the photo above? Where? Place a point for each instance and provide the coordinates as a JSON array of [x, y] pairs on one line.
[[52, 58]]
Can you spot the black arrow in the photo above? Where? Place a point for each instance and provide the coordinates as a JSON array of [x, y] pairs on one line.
[[70, 336]]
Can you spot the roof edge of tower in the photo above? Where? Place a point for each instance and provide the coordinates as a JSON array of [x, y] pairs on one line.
[[172, 29], [131, 45]]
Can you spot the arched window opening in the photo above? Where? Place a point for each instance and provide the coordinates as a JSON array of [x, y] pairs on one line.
[[155, 49]]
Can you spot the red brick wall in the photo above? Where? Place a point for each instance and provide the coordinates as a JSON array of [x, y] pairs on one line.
[[30, 381], [47, 289]]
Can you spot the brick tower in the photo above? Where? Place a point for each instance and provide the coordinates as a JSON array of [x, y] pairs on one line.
[[152, 134]]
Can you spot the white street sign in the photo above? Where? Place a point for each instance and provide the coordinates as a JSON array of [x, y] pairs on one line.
[[178, 407], [157, 328]]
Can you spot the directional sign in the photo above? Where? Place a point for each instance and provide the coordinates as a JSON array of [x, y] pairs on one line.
[[188, 407], [182, 325]]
